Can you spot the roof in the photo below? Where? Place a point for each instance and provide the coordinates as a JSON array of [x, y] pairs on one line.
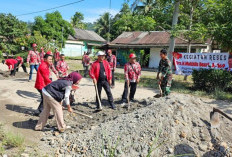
[[81, 34], [156, 38]]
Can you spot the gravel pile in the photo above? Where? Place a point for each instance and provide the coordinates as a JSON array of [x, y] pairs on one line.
[[169, 126]]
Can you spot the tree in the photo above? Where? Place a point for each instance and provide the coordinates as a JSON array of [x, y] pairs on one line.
[[217, 17], [53, 27], [10, 29], [102, 26], [77, 21]]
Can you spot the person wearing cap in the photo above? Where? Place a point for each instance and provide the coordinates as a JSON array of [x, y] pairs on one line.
[[42, 78], [132, 71], [165, 68], [86, 63], [20, 64], [62, 66], [12, 65], [56, 57], [33, 59], [113, 63], [53, 95], [101, 74], [52, 68], [42, 53]]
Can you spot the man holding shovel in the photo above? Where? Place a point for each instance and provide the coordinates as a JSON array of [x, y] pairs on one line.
[[101, 74], [132, 71], [166, 73]]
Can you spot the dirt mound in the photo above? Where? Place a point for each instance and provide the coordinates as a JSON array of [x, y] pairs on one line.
[[174, 125], [6, 75]]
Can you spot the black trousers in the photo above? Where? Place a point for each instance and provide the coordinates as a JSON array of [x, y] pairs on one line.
[[24, 68], [105, 84], [40, 108], [133, 86], [113, 80], [13, 72], [86, 70]]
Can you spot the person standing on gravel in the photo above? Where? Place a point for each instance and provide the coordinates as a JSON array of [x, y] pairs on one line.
[[62, 66], [42, 78], [56, 57], [86, 63], [165, 69], [33, 59], [53, 95], [113, 63], [101, 74], [132, 71], [42, 53]]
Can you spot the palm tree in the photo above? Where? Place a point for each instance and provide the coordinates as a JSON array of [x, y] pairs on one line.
[[102, 25]]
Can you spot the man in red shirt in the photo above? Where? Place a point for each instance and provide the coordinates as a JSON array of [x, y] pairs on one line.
[[101, 74], [42, 53], [20, 63], [132, 71], [56, 57], [62, 67], [42, 78], [86, 63], [12, 65], [33, 59], [113, 62]]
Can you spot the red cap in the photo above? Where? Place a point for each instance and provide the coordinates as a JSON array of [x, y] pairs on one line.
[[34, 45], [132, 55], [49, 53], [18, 57]]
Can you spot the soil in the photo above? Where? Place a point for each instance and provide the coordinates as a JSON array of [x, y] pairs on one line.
[[181, 123], [4, 75]]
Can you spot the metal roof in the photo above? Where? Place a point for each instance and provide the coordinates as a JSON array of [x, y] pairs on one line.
[[81, 34], [156, 38]]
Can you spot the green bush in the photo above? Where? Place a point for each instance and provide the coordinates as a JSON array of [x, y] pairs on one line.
[[211, 79]]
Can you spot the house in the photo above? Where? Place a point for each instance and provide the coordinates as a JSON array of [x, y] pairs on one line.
[[151, 43], [82, 41]]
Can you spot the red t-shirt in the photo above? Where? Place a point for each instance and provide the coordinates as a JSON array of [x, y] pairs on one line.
[[11, 62]]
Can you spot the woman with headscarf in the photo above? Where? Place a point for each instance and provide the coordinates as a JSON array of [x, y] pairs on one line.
[[53, 94]]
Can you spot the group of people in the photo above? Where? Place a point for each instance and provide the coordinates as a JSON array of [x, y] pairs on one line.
[[54, 93]]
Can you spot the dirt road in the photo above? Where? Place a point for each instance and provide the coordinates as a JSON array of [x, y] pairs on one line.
[[19, 99]]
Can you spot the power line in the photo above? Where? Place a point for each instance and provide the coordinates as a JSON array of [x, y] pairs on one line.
[[51, 8]]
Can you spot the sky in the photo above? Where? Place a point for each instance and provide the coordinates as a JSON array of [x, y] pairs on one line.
[[91, 9]]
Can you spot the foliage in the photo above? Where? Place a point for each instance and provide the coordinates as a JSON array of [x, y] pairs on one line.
[[211, 79], [53, 27], [10, 29], [218, 18], [143, 58], [102, 26], [77, 21]]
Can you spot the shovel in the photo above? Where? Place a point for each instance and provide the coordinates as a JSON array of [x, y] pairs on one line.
[[161, 92], [214, 117], [99, 101]]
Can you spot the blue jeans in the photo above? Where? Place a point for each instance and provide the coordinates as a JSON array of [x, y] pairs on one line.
[[32, 67]]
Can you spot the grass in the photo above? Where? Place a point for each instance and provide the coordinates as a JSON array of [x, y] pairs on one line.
[[10, 140]]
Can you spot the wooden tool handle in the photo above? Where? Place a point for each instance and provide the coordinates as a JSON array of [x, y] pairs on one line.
[[99, 101], [222, 113], [80, 113]]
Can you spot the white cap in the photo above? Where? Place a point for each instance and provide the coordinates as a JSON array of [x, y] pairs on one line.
[[101, 53]]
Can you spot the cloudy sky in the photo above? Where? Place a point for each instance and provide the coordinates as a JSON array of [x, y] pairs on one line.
[[91, 9]]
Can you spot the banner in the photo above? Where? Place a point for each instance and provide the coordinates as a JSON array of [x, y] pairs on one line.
[[186, 62]]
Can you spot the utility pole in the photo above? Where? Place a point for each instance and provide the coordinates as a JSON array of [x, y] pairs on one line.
[[62, 40], [109, 22]]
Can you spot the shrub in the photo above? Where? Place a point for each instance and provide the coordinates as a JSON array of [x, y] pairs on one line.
[[211, 79]]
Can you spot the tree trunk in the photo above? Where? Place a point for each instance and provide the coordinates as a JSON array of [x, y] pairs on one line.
[[174, 23]]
